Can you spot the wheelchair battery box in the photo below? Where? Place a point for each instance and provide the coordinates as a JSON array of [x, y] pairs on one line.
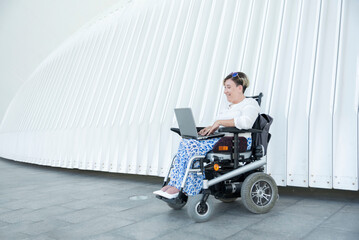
[[225, 144]]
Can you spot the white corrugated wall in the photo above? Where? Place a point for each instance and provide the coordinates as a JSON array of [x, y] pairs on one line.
[[104, 99]]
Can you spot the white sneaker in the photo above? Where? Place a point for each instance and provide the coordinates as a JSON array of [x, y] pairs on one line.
[[167, 195], [158, 192]]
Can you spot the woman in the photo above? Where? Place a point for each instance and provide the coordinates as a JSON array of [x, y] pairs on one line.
[[240, 113]]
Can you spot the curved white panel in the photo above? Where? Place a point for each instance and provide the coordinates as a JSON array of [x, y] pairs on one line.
[[104, 99], [345, 152], [321, 112], [301, 93], [280, 97]]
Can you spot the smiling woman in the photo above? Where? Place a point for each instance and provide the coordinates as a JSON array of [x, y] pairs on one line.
[[240, 113]]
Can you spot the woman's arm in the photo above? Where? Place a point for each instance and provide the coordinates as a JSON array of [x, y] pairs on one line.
[[226, 123], [247, 118], [244, 121], [218, 123]]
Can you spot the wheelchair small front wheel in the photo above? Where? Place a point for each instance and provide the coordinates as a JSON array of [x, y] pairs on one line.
[[177, 206], [199, 211], [259, 192]]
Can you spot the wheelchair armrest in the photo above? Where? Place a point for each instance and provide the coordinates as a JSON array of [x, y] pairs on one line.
[[176, 130], [236, 130]]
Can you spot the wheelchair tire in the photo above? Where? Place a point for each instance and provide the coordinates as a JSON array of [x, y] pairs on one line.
[[176, 206], [197, 211], [227, 200], [259, 193]]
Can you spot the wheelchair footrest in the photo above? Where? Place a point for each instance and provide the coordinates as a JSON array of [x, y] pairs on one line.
[[176, 200]]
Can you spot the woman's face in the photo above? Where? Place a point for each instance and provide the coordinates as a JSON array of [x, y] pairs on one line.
[[232, 92]]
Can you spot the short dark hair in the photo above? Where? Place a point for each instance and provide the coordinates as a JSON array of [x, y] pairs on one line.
[[239, 78]]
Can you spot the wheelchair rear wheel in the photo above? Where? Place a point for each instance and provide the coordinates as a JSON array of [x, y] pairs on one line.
[[198, 211], [259, 192]]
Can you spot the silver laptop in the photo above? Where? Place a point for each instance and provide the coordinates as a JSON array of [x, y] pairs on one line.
[[187, 125]]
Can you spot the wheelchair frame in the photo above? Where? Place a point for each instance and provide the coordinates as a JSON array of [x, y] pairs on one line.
[[242, 176]]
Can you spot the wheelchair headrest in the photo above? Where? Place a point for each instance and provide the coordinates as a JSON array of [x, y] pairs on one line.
[[258, 98]]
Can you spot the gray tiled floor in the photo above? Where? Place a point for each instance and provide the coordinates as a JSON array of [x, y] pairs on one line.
[[50, 203]]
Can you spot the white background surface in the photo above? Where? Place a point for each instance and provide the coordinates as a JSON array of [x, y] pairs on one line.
[[104, 99], [31, 29]]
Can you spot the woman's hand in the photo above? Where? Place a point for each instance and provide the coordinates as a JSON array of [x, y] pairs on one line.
[[214, 127], [209, 130], [204, 131]]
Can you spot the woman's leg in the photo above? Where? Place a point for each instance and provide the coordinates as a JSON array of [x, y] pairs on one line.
[[187, 149]]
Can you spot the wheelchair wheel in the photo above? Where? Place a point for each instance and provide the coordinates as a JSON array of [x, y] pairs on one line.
[[227, 200], [259, 192], [199, 212]]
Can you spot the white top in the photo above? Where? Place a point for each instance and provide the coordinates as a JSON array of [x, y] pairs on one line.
[[244, 113]]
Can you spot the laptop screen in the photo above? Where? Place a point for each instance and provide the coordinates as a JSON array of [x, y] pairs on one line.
[[186, 122]]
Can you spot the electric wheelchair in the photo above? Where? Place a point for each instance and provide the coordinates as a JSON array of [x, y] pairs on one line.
[[230, 171]]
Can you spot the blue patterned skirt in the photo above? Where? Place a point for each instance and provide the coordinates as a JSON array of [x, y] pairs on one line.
[[186, 150]]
